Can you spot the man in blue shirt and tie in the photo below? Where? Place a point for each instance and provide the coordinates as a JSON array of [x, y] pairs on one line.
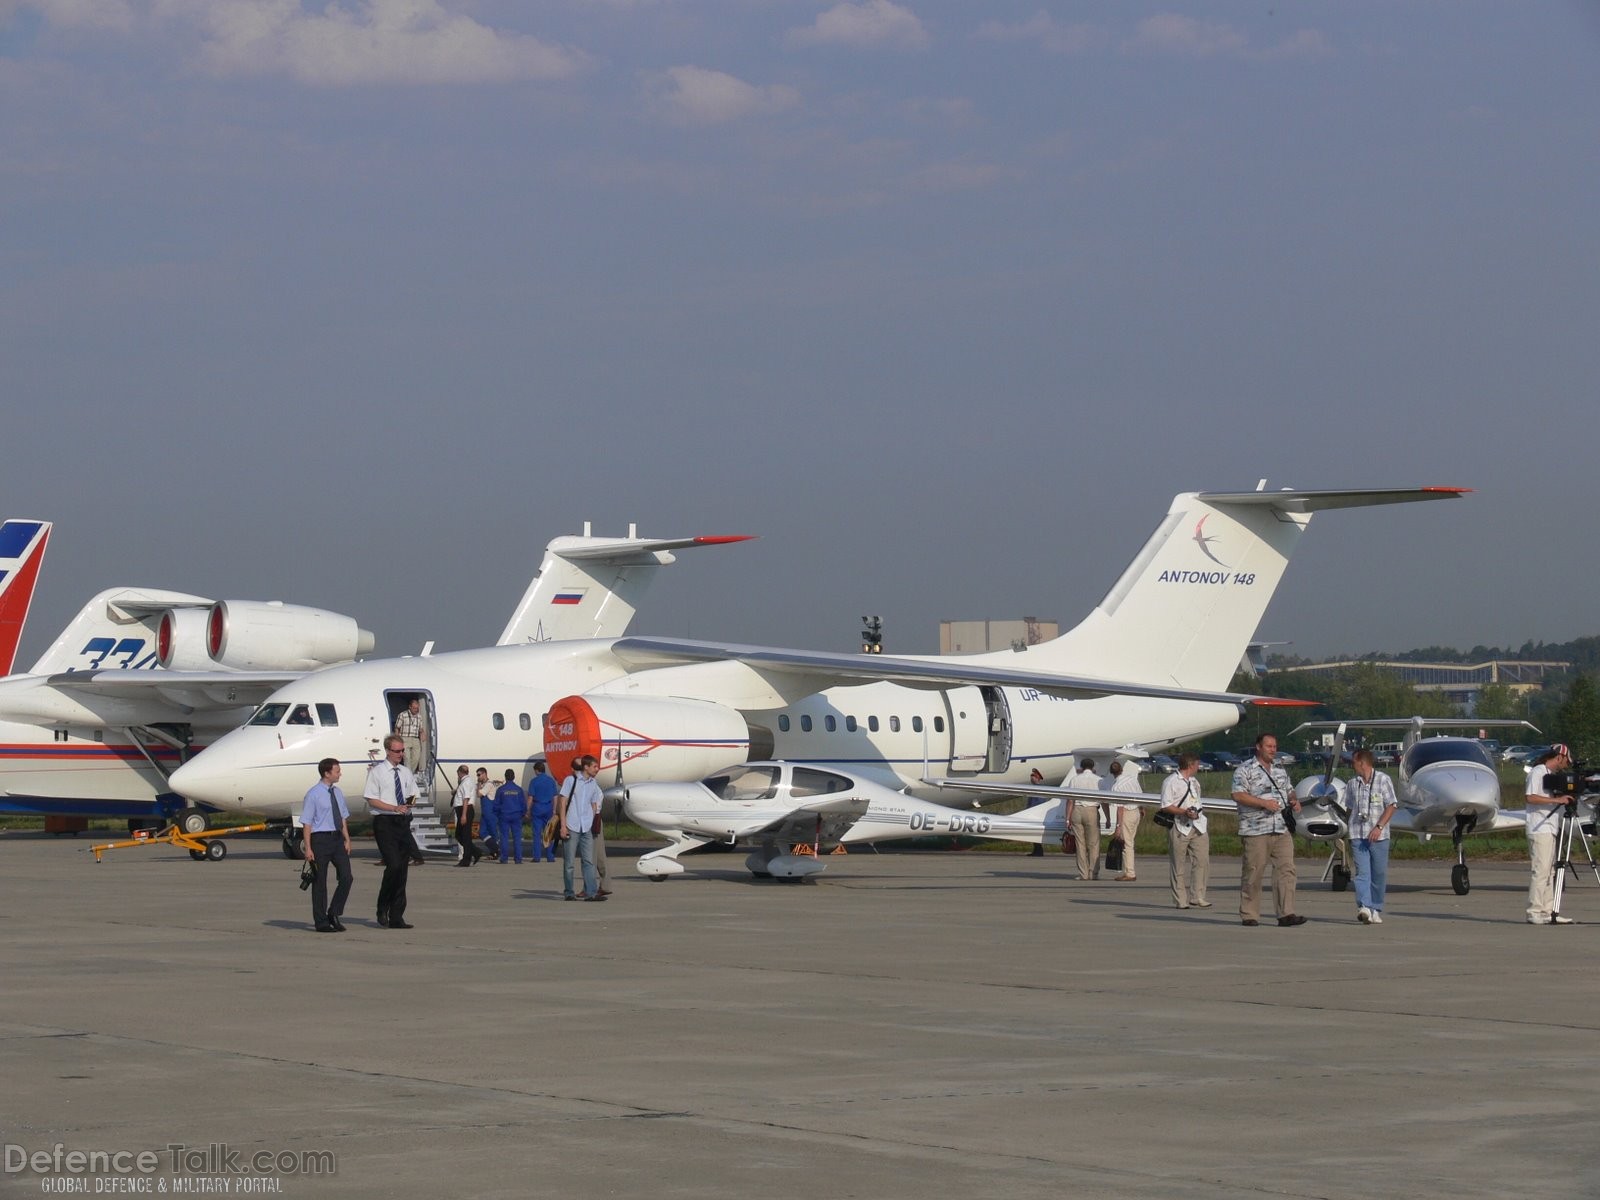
[[325, 824]]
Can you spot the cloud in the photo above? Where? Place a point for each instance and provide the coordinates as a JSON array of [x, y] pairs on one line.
[[1185, 37], [1048, 33], [865, 26], [699, 96], [114, 15], [367, 42]]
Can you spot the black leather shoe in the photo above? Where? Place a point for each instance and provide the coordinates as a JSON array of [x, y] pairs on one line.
[[1292, 919], [1249, 922], [383, 917], [326, 929], [393, 924], [338, 925]]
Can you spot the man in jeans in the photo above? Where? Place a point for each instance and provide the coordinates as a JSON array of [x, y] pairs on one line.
[[581, 798], [1262, 792]]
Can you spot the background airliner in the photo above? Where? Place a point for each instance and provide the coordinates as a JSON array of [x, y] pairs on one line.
[[1147, 666]]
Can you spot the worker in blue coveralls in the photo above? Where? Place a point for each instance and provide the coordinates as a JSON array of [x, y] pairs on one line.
[[510, 810], [542, 794], [488, 829]]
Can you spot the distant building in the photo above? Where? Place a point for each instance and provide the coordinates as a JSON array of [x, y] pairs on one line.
[[979, 637], [1460, 682]]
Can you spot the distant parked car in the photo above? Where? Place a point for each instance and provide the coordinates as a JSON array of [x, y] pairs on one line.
[[1164, 763], [1284, 759], [1386, 754], [1218, 760], [1531, 756], [1515, 753]]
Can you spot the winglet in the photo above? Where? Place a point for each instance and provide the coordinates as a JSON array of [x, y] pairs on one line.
[[22, 546]]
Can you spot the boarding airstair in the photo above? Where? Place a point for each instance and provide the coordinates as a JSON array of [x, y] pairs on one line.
[[429, 831]]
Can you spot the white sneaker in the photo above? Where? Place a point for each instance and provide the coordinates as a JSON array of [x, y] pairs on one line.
[[1538, 920], [1558, 919], [1364, 915], [1377, 917]]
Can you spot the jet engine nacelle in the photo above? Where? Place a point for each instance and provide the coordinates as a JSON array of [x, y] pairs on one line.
[[274, 636], [181, 640], [1319, 821], [658, 740]]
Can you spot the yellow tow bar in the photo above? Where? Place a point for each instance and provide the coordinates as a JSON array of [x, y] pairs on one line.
[[201, 846]]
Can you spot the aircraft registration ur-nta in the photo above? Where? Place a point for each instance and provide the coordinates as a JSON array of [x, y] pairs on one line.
[[142, 679], [1446, 785], [1147, 666]]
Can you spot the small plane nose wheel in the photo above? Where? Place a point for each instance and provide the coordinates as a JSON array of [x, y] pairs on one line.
[[1460, 883]]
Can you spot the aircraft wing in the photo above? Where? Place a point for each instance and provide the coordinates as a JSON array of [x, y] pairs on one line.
[[801, 672], [823, 820], [192, 690], [1013, 790]]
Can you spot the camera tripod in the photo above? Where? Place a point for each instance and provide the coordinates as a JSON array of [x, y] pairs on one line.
[[1573, 826]]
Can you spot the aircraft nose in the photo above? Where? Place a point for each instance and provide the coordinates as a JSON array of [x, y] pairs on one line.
[[1463, 787], [208, 778]]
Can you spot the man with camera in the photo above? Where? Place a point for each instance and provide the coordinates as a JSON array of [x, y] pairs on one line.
[[1543, 825], [1266, 802], [1188, 844]]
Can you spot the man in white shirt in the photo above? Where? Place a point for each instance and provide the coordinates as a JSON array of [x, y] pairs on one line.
[[1125, 779], [1543, 823], [461, 807], [1370, 800], [1083, 818], [1188, 843], [390, 792]]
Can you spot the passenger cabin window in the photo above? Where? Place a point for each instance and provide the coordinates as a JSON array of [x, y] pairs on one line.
[[524, 721], [830, 723], [327, 715], [746, 783], [805, 723], [808, 782], [301, 715], [916, 724], [872, 724], [269, 714], [783, 722], [938, 724], [894, 724], [850, 724], [498, 720]]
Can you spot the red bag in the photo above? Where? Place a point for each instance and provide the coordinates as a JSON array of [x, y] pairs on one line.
[[1069, 842]]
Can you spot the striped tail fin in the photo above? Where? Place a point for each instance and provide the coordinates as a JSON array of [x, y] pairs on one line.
[[22, 545]]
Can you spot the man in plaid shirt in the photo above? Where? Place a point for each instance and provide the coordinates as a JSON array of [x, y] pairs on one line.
[[1262, 792]]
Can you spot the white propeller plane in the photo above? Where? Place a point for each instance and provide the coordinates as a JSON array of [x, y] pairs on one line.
[[142, 679], [777, 805], [1149, 664], [1444, 785]]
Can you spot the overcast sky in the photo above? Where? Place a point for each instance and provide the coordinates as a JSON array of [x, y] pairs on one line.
[[357, 304]]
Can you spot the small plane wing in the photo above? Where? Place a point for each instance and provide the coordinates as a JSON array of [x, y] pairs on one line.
[[801, 672], [196, 691], [1012, 790], [825, 820]]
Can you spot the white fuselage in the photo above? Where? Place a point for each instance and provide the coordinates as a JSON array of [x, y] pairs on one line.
[[486, 708]]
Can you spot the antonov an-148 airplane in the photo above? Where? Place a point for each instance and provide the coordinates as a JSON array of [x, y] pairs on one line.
[[142, 679], [1147, 666], [1445, 785]]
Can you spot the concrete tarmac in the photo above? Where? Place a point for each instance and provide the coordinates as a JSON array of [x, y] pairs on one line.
[[909, 1025]]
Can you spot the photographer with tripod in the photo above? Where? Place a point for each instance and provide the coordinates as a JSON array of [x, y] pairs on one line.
[[1543, 825]]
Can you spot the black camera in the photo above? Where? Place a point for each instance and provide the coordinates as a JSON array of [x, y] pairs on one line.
[[1577, 780]]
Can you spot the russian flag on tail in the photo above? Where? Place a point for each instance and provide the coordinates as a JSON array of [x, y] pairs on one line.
[[570, 596]]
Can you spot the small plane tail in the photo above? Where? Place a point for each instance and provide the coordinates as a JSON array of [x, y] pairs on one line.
[[590, 587], [1186, 609], [22, 546], [118, 628]]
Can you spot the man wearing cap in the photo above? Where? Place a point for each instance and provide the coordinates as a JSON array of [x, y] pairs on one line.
[[1543, 822]]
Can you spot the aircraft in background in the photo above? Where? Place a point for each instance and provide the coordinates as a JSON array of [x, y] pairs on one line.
[[1443, 785], [1148, 665], [776, 805], [142, 679]]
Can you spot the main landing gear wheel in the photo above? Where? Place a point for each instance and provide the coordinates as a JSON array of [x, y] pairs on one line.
[[1341, 879], [198, 855], [1460, 883], [192, 820], [216, 851], [292, 846]]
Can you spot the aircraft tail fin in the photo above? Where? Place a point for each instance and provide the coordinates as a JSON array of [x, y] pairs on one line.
[[22, 546], [590, 587], [1186, 609], [118, 628]]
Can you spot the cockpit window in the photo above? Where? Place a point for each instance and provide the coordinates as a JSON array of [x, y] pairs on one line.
[[746, 783], [301, 715], [1448, 749], [269, 714], [808, 782], [327, 714]]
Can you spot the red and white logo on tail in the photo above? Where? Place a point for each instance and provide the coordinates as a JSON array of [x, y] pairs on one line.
[[22, 546]]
